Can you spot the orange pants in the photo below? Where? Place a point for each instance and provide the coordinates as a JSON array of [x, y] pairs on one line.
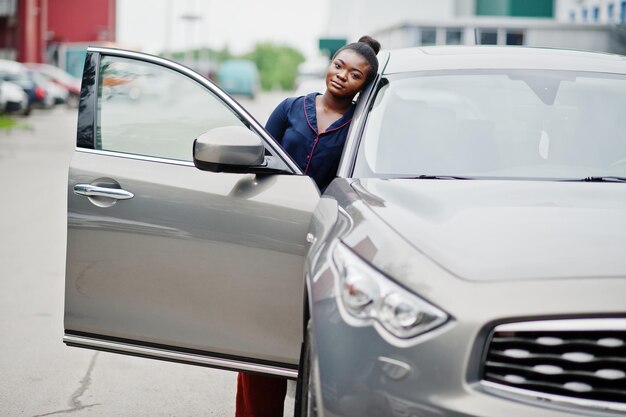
[[260, 396]]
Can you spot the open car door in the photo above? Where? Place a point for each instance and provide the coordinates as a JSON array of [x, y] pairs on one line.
[[168, 261]]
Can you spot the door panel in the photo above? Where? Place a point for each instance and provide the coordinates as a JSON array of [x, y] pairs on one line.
[[202, 262]]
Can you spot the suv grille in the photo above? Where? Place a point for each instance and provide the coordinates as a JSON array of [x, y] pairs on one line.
[[581, 360]]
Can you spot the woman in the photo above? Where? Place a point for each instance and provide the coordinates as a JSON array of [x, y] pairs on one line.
[[313, 130]]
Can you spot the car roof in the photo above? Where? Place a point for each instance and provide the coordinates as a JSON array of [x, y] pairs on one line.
[[499, 57], [11, 66]]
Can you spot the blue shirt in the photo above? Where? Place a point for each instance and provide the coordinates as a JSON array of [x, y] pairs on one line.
[[294, 125]]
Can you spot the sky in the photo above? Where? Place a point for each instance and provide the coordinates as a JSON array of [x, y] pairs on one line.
[[157, 25]]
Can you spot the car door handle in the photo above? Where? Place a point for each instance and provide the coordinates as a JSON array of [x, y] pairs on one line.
[[95, 191]]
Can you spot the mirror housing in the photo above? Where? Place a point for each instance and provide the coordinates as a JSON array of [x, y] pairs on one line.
[[228, 149]]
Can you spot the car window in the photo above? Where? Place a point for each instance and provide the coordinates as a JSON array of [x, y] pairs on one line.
[[154, 111], [512, 123], [16, 77]]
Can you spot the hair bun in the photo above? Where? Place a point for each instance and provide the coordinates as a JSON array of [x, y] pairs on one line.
[[373, 43]]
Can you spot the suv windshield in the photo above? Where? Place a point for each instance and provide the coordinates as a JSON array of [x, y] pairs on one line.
[[496, 124]]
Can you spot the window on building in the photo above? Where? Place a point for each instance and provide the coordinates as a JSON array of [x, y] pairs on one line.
[[622, 13], [487, 37], [572, 16], [454, 36], [428, 36], [610, 12], [514, 37], [583, 14], [596, 13]]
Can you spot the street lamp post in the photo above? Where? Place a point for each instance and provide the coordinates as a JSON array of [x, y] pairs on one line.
[[190, 18]]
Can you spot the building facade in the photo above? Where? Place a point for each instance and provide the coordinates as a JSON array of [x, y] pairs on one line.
[[612, 12], [505, 31], [36, 30], [545, 23]]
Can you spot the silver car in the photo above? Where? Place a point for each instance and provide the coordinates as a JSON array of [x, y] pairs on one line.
[[469, 259]]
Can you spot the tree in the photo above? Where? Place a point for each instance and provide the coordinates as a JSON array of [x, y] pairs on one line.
[[212, 54], [277, 64]]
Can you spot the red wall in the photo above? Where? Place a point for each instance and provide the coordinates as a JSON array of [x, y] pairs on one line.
[[81, 20], [31, 15], [40, 22]]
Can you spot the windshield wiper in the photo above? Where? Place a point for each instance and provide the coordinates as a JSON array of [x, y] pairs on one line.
[[599, 179]]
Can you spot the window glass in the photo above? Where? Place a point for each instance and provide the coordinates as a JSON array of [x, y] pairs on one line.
[[149, 110], [454, 36], [487, 37], [514, 37], [514, 124], [17, 77], [429, 36]]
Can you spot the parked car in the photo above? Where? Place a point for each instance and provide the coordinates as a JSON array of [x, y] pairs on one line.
[[13, 99], [17, 73], [58, 94], [54, 93], [239, 77], [468, 260], [61, 78]]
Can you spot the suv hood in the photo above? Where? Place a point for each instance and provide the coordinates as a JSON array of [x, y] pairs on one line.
[[483, 230]]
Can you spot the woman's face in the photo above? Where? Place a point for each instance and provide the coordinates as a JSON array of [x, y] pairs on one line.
[[347, 74]]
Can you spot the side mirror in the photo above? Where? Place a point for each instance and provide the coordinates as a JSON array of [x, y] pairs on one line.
[[228, 149]]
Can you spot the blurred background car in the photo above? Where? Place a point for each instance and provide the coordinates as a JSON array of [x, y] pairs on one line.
[[61, 79], [53, 93], [239, 77], [13, 99], [34, 87], [122, 80]]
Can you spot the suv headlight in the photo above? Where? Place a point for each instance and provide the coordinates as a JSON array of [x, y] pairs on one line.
[[369, 297]]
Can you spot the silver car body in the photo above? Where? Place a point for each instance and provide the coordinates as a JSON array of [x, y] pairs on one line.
[[423, 296], [535, 264]]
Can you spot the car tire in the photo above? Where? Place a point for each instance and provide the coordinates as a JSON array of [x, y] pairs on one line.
[[306, 398]]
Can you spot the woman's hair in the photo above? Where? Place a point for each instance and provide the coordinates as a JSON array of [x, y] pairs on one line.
[[367, 47]]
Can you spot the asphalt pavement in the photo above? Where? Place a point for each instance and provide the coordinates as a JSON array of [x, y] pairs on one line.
[[40, 376]]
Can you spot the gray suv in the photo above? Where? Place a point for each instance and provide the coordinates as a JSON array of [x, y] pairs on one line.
[[469, 259]]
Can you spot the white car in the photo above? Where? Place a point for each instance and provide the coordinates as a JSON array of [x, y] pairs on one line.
[[13, 99]]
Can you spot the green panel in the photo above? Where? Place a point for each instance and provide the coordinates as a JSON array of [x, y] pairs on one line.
[[532, 8], [75, 60], [331, 45], [515, 8], [492, 7]]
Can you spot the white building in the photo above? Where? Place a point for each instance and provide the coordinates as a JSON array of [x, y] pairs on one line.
[[591, 11], [405, 23], [350, 19]]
